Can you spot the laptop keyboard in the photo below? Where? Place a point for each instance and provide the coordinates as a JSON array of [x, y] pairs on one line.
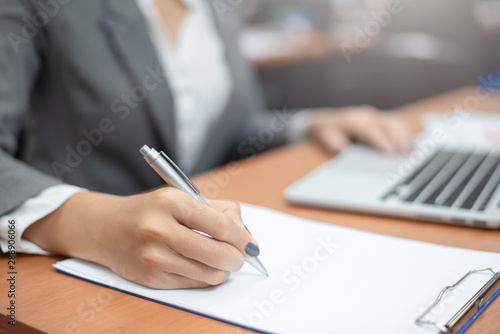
[[452, 179]]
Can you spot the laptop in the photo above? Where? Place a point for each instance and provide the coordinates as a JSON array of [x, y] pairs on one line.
[[454, 181]]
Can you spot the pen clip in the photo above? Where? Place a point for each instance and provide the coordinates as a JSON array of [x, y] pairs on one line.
[[184, 176]]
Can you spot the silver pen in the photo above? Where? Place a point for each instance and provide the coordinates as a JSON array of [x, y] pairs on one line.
[[174, 177]]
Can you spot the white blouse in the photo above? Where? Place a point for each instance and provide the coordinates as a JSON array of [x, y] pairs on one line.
[[197, 72]]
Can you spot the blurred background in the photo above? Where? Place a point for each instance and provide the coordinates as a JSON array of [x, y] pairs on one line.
[[315, 53]]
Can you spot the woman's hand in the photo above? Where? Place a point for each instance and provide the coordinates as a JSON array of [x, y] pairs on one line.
[[149, 238], [335, 129]]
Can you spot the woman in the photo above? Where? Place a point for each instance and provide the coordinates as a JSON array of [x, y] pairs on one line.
[[84, 84]]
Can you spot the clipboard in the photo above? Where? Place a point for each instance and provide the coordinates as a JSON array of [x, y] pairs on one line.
[[320, 285], [471, 310]]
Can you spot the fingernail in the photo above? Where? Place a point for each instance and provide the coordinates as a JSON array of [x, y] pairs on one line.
[[252, 250]]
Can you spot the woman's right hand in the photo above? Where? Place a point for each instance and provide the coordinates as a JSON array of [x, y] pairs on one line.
[[149, 238]]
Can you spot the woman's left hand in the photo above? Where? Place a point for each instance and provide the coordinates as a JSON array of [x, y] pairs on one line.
[[336, 129]]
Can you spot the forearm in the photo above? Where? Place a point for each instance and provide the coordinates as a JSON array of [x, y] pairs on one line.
[[74, 229], [29, 212]]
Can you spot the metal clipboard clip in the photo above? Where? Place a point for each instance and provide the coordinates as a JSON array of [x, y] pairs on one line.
[[467, 314]]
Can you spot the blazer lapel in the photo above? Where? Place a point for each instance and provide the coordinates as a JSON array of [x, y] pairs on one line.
[[126, 30]]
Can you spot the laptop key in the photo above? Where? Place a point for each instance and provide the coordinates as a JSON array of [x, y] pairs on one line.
[[471, 199], [396, 190], [427, 175], [479, 158], [419, 170], [458, 160], [496, 181]]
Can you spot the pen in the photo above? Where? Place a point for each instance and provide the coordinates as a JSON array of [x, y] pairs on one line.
[[174, 177]]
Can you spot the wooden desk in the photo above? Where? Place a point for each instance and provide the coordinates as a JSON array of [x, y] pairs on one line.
[[58, 303]]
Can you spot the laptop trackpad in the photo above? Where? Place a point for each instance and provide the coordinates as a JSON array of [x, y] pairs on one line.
[[359, 173]]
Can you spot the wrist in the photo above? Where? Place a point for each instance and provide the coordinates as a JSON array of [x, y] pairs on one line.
[[74, 229]]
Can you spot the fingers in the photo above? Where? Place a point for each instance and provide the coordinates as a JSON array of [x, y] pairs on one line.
[[230, 241], [333, 139], [231, 209], [173, 281], [385, 131], [210, 252], [388, 133], [398, 132], [376, 137], [166, 280], [169, 249], [164, 267], [326, 129], [222, 226]]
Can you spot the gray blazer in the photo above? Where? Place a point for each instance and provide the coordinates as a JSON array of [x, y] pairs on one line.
[[81, 90]]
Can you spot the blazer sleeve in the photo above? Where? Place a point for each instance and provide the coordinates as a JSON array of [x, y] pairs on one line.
[[263, 129], [20, 63]]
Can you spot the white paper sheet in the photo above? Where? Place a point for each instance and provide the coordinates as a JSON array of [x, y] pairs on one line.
[[323, 279]]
